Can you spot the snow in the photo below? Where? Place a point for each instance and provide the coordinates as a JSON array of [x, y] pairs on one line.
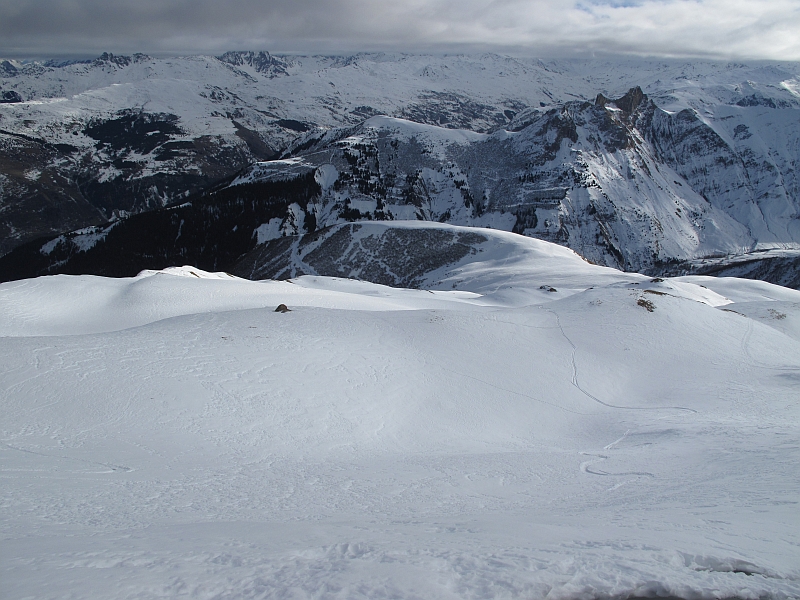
[[265, 169], [269, 231], [82, 239], [406, 130], [326, 176], [170, 435], [86, 238], [793, 85], [51, 245]]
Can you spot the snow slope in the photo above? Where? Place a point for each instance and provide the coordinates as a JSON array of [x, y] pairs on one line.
[[170, 435]]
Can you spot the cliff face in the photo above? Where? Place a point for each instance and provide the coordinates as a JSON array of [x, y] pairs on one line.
[[637, 190]]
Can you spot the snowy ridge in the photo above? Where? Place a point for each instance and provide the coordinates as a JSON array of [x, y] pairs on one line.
[[424, 255], [117, 304], [405, 130], [548, 429]]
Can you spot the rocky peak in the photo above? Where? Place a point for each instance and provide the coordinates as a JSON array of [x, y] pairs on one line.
[[262, 62], [7, 69], [234, 58], [628, 103], [119, 60]]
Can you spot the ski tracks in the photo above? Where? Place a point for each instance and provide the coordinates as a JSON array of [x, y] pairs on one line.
[[597, 457], [575, 381], [747, 351]]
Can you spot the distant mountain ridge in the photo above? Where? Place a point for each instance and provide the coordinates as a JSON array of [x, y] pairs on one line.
[[695, 160], [262, 62]]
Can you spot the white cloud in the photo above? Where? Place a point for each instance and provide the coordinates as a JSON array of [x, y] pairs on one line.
[[730, 28]]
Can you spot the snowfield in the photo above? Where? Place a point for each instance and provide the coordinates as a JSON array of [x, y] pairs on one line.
[[528, 426]]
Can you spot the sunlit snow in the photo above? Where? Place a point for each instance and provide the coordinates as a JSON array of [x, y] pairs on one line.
[[550, 429]]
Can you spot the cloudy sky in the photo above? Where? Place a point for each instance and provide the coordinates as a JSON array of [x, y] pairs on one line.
[[747, 29]]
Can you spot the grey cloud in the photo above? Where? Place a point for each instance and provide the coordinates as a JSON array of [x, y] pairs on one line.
[[730, 28]]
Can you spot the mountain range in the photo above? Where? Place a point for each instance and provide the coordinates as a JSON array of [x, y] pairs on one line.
[[298, 337], [123, 163]]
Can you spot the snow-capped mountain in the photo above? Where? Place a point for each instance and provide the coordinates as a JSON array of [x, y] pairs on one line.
[[688, 161], [623, 182]]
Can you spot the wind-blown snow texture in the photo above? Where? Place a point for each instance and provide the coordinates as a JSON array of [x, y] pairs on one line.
[[527, 425], [704, 165]]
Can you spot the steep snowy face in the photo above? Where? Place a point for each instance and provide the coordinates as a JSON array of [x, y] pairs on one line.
[[744, 162]]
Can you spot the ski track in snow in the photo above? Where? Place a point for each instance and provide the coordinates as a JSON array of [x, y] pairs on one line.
[[577, 384], [380, 443]]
